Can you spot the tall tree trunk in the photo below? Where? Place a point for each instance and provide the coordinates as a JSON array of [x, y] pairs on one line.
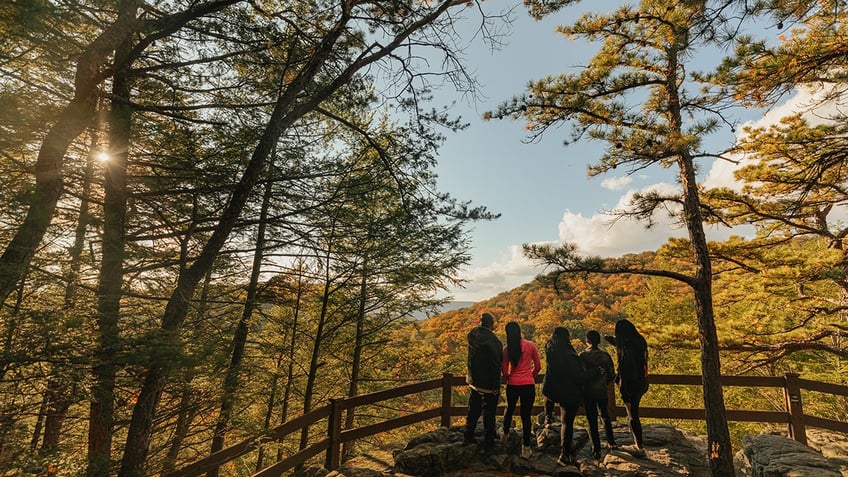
[[110, 281], [231, 379], [12, 329], [269, 410], [187, 409], [718, 434], [287, 391], [58, 398], [186, 413], [356, 362], [720, 452], [312, 374], [7, 420]]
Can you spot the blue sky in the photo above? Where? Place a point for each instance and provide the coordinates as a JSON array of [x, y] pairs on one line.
[[541, 189]]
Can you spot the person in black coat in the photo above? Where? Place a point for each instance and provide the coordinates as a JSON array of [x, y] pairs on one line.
[[485, 353], [563, 385], [632, 379], [600, 373]]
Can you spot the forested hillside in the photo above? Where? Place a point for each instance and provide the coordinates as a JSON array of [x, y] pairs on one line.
[[765, 327]]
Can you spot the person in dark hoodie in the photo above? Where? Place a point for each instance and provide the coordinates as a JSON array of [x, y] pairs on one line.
[[563, 385], [485, 353], [600, 373], [632, 379]]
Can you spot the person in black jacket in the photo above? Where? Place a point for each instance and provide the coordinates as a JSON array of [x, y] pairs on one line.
[[632, 379], [485, 353], [600, 373], [563, 384]]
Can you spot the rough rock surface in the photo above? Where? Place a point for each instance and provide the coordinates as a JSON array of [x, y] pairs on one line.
[[772, 454], [669, 452]]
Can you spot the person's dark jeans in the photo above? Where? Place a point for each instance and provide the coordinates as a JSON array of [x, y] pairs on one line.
[[593, 406], [632, 407], [485, 404], [568, 411], [527, 394], [549, 410]]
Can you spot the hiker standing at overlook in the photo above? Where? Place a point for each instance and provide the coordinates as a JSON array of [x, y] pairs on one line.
[[485, 353], [600, 373], [632, 379], [520, 365], [563, 385]]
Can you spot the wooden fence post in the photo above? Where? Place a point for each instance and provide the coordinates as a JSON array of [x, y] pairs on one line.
[[447, 389], [795, 408], [334, 431]]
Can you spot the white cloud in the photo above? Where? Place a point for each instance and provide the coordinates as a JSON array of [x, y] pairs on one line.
[[594, 235], [616, 183], [510, 271], [599, 235]]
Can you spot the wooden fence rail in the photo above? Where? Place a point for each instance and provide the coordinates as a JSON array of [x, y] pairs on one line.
[[792, 415]]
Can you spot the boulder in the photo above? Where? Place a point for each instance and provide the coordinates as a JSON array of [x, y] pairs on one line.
[[771, 455]]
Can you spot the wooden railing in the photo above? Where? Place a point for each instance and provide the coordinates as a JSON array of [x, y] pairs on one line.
[[792, 415]]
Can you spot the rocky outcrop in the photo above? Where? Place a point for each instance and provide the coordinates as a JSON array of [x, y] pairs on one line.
[[669, 452], [772, 454]]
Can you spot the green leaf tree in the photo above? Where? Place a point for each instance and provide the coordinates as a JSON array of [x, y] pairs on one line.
[[635, 95]]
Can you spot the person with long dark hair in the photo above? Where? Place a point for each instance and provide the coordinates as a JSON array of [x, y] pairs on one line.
[[632, 379], [520, 365], [563, 385]]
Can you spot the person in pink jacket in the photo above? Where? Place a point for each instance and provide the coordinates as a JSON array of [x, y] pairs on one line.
[[521, 364]]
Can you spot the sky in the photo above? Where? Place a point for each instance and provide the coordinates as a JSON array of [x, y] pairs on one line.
[[542, 190]]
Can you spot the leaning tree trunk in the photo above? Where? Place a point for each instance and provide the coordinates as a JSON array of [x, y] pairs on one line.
[[231, 379], [290, 105], [176, 310], [356, 363], [187, 407]]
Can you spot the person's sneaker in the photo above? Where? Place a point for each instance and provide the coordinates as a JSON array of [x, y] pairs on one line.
[[634, 450], [526, 451], [505, 437], [596, 454], [612, 445], [565, 461]]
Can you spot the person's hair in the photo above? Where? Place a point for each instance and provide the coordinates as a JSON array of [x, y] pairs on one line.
[[561, 335], [513, 342], [593, 337], [487, 320], [626, 335]]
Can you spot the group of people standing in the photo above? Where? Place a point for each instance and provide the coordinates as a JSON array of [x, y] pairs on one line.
[[571, 380]]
